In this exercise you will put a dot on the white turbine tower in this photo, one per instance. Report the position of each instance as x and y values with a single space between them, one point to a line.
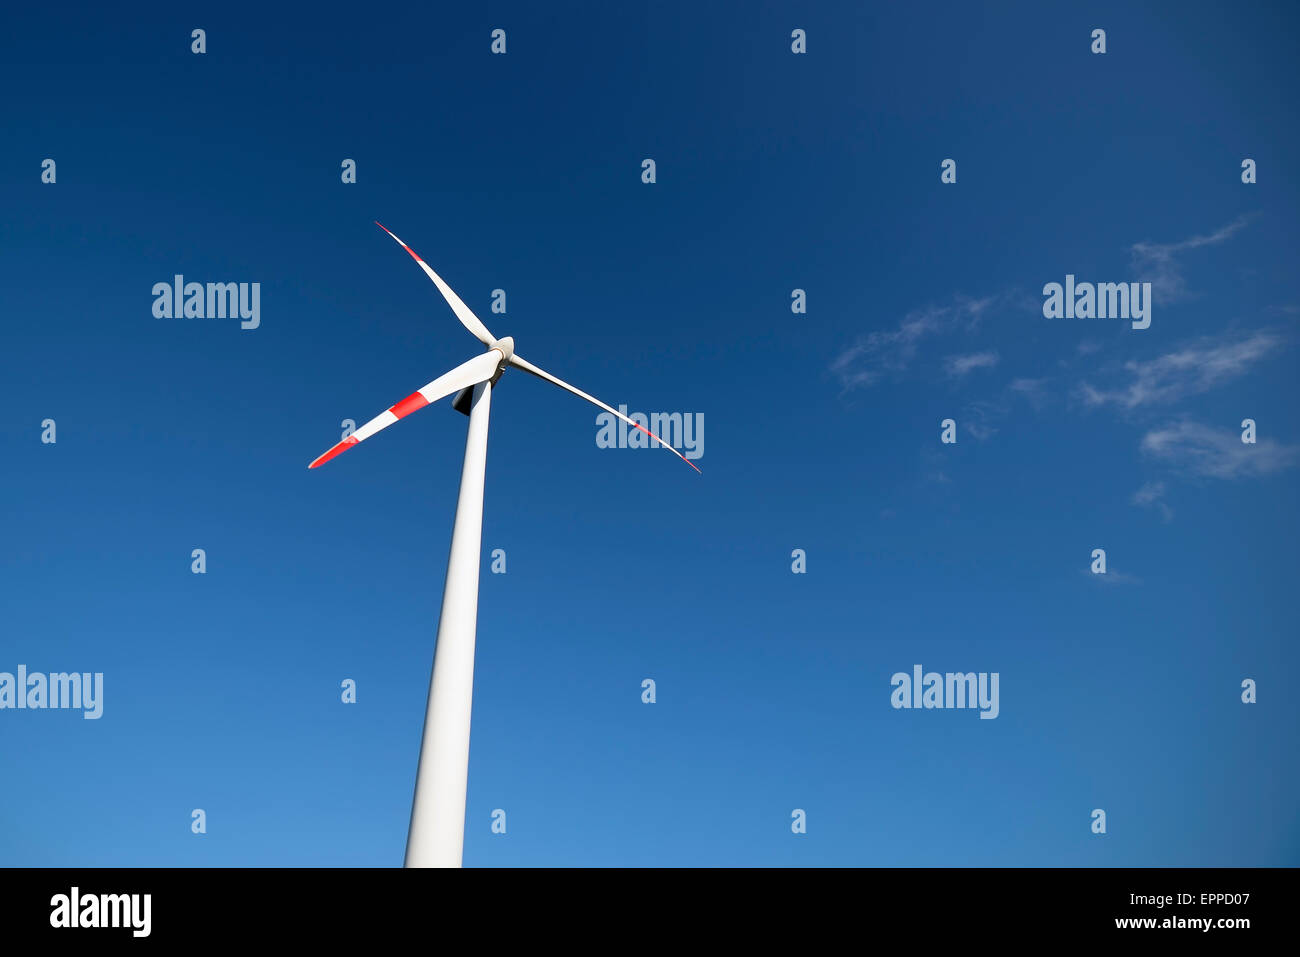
437 833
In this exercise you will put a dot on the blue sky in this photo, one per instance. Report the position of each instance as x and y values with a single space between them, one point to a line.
775 171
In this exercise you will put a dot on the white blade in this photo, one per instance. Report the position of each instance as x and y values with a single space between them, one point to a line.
479 369
527 366
462 311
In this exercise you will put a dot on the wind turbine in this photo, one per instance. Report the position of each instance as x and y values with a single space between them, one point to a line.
437 833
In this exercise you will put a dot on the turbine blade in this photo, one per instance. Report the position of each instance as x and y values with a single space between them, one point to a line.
527 366
462 311
476 370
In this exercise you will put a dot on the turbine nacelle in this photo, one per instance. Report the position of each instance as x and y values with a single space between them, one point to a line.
505 346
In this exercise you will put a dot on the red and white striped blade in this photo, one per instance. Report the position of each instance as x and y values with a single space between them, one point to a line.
462 311
527 366
479 369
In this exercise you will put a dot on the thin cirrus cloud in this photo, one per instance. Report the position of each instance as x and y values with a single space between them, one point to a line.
1202 450
959 367
1151 495
891 352
1161 263
977 419
1110 577
1033 390
1191 369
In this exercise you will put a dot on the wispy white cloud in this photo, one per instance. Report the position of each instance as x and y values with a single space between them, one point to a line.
1189 370
1203 450
1112 577
933 464
891 352
887 351
977 419
959 366
1033 390
1151 495
1027 386
1159 263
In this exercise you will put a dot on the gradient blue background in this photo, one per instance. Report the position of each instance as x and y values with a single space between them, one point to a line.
775 171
